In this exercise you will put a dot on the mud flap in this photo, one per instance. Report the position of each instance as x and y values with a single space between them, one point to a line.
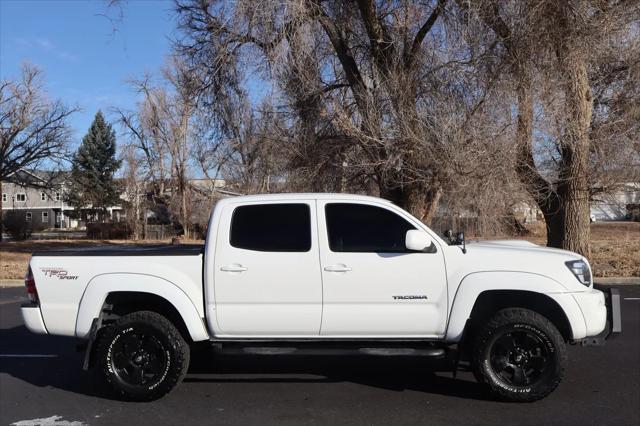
93 332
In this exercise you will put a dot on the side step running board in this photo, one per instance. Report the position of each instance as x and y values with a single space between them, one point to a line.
338 351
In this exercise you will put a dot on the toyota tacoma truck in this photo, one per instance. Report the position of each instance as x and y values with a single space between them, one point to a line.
322 273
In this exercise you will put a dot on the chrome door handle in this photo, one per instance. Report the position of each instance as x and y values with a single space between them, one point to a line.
337 268
233 268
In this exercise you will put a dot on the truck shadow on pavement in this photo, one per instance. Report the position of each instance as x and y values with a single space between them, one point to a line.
392 373
50 361
63 370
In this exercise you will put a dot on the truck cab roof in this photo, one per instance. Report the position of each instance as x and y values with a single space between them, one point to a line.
302 196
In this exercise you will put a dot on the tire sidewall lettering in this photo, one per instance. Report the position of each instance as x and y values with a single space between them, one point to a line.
164 373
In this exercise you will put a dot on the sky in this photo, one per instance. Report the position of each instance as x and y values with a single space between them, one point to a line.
86 63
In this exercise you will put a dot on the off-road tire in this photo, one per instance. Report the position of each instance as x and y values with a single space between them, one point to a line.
534 326
166 340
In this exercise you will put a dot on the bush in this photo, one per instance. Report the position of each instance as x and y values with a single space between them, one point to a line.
199 232
15 223
109 231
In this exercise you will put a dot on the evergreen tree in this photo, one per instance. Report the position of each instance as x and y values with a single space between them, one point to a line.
94 164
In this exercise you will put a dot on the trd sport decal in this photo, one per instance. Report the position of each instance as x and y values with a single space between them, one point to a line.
62 274
410 297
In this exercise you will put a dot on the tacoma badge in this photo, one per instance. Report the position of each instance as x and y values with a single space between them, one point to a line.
410 297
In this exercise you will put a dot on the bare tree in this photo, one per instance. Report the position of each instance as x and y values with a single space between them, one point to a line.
33 128
549 47
135 190
369 55
615 125
161 130
420 103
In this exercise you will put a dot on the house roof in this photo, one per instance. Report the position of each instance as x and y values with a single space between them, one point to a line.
37 178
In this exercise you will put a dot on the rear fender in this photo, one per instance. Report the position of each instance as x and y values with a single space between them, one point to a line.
100 286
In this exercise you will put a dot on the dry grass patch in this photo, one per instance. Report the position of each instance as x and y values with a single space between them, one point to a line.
13 264
615 249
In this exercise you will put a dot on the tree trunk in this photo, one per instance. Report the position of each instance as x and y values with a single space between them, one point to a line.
554 221
183 209
418 199
537 187
574 173
565 207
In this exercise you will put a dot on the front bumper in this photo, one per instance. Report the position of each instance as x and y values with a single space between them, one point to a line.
32 318
613 323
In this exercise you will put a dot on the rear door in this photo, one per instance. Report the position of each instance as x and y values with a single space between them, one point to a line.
266 271
373 285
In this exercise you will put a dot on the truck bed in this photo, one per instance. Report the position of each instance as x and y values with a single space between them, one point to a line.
128 250
74 284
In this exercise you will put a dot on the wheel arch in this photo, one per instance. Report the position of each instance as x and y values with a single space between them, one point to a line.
491 301
130 292
120 303
482 293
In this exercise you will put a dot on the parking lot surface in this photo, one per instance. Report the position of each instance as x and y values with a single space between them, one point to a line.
41 381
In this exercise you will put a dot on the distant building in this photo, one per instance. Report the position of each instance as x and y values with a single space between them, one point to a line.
527 212
38 196
606 206
209 185
616 205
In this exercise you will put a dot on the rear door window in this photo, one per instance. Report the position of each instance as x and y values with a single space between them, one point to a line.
272 227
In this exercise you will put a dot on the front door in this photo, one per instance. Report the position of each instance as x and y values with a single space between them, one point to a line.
373 285
266 270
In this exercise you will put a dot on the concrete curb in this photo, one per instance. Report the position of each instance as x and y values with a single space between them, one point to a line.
618 280
11 283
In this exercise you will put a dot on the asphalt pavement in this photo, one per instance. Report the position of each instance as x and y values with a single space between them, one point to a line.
41 382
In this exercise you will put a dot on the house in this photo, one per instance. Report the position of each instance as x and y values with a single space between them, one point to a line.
38 196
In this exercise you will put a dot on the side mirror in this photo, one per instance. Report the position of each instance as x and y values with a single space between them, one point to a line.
417 240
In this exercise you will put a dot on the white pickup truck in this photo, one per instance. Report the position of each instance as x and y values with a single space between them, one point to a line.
300 273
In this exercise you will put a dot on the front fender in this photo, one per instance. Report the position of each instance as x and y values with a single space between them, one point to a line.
101 285
474 284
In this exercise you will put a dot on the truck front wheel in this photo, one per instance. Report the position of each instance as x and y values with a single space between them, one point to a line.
142 355
520 355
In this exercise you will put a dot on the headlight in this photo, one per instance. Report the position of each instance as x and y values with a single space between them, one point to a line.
581 270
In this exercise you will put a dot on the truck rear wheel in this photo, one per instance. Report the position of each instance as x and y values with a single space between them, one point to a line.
142 355
520 355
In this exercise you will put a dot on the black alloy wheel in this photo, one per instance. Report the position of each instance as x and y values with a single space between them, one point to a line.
139 359
520 355
519 358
